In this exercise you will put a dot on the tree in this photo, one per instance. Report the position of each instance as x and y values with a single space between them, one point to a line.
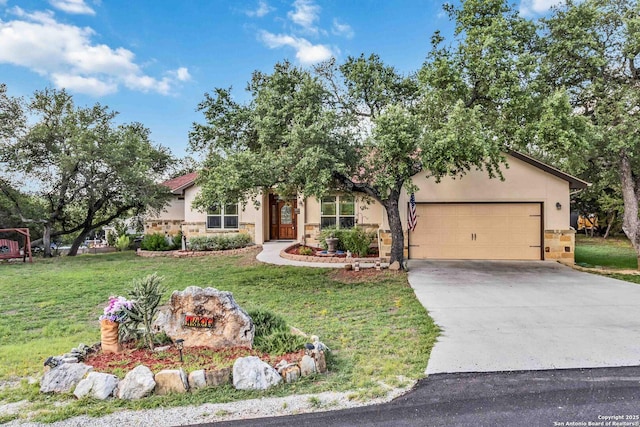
361 127
85 169
591 48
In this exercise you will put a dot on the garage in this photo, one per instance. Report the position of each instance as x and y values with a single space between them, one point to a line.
495 231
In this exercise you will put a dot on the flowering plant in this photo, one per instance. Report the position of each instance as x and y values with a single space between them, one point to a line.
115 310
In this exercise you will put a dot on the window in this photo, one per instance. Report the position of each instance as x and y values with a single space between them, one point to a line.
337 211
223 217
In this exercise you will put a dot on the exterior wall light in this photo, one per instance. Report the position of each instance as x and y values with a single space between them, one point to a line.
180 346
558 205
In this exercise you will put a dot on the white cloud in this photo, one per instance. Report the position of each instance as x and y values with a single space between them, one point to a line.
66 54
537 7
305 14
262 9
77 7
340 29
3 2
306 52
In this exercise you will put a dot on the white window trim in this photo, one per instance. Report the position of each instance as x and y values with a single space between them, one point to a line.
338 214
222 216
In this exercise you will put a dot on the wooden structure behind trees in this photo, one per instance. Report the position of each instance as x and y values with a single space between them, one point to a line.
12 246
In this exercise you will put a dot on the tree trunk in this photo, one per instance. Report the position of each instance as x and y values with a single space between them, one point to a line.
630 221
73 251
46 240
395 225
611 219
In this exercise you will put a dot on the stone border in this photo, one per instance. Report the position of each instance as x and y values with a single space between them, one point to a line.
188 254
329 259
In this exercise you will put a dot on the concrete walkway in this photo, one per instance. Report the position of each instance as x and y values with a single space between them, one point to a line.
511 316
271 255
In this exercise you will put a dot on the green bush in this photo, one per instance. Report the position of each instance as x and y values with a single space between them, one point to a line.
279 342
354 239
358 241
220 242
122 243
146 294
272 334
111 239
155 242
266 322
177 240
305 250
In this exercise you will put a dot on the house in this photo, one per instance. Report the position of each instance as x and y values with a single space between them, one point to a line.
524 217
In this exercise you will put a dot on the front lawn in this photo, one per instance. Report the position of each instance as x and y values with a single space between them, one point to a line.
375 326
613 252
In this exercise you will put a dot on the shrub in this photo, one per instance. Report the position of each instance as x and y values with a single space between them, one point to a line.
122 243
177 240
219 242
111 239
155 242
358 241
354 239
272 334
305 250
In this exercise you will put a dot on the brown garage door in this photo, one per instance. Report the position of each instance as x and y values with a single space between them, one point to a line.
477 231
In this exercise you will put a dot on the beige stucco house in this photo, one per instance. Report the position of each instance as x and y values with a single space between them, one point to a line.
524 217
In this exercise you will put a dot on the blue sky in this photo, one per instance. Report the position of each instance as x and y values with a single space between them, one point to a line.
153 60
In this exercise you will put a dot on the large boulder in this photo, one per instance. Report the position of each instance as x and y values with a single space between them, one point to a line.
97 385
206 317
64 378
251 373
138 383
218 377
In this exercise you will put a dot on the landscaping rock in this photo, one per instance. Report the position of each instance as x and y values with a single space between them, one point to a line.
218 377
97 385
231 325
63 378
197 379
395 266
70 359
307 366
321 361
290 373
137 384
171 381
251 373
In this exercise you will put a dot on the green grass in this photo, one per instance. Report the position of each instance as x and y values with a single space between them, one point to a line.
376 328
611 252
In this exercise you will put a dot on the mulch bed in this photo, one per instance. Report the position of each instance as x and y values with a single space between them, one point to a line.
194 358
295 250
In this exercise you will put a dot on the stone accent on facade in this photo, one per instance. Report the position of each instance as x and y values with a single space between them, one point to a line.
311 234
560 245
188 254
190 229
170 226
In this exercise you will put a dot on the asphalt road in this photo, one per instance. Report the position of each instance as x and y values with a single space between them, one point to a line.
573 397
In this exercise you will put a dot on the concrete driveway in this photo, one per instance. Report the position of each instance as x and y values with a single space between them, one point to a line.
508 316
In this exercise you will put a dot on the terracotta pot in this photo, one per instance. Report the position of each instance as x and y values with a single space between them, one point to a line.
109 336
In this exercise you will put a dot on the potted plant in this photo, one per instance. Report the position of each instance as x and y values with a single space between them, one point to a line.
114 313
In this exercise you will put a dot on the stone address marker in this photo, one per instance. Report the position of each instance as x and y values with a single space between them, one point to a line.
206 318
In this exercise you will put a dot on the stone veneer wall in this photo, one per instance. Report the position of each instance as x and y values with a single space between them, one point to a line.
170 227
385 243
560 245
190 229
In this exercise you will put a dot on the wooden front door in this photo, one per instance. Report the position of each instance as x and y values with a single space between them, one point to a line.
282 218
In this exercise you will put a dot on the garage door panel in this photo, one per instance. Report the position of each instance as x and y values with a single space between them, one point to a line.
477 231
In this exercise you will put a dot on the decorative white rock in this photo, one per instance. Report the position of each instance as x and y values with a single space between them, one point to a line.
171 381
251 373
197 379
97 385
137 384
307 365
63 378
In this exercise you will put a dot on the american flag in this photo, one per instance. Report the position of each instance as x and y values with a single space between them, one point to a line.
413 219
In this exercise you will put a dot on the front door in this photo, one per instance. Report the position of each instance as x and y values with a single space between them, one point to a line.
283 218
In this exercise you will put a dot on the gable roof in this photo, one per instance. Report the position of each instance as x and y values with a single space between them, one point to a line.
574 183
180 183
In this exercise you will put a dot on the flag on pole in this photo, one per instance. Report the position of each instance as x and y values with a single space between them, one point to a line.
413 219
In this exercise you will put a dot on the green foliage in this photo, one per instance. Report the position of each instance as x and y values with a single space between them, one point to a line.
146 294
176 240
155 242
79 161
122 243
355 240
111 239
266 322
219 242
304 250
358 241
